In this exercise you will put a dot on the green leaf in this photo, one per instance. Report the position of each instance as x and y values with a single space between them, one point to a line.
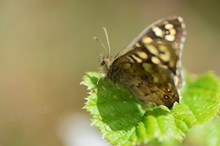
202 96
205 135
123 120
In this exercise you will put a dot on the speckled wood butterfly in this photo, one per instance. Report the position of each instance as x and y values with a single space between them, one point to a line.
150 67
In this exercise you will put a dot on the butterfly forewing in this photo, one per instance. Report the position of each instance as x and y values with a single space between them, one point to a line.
149 67
164 40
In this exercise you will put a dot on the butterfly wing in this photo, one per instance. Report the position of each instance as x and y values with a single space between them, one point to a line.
161 43
149 67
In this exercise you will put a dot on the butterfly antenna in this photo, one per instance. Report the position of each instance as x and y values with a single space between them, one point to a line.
100 42
107 39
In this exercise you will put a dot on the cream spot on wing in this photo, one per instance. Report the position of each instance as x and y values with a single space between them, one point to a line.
155 60
159 42
165 56
163 48
156 79
179 63
172 64
142 55
169 26
177 81
183 25
147 66
172 31
183 39
170 37
158 32
127 65
130 59
163 66
180 19
181 45
175 45
178 53
137 45
136 58
152 49
147 40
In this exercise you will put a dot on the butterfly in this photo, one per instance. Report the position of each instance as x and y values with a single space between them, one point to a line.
150 66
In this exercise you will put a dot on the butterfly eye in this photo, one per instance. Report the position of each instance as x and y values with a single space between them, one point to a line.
102 62
166 96
168 90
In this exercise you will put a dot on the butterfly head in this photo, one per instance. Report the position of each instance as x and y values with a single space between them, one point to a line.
105 62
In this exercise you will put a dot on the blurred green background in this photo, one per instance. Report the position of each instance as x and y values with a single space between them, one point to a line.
46 47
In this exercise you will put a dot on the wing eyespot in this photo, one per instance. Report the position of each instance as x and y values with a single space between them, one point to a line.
168 90
166 96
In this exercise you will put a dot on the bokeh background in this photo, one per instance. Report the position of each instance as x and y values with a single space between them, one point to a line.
46 47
